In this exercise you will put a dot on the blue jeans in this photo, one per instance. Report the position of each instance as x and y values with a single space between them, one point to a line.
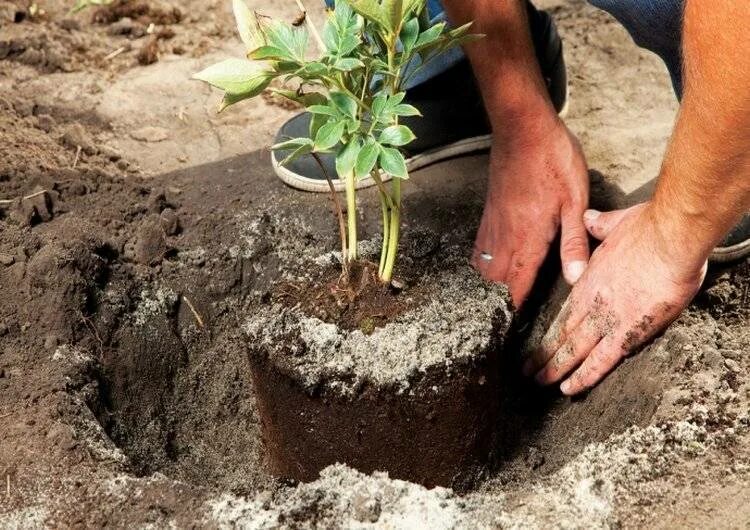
653 24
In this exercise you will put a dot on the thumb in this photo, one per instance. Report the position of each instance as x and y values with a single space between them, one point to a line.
574 246
600 224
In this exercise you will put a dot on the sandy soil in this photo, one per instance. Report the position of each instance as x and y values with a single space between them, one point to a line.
125 397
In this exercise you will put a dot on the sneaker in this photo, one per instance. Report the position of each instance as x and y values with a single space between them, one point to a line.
446 130
736 245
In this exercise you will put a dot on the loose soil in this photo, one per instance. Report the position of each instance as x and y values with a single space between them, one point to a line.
355 300
153 229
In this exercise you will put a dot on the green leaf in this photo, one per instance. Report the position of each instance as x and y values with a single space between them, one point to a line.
265 53
307 99
369 9
344 103
394 100
409 35
236 76
393 163
378 105
397 135
414 7
316 122
323 109
347 158
247 26
312 69
348 64
429 36
303 150
294 143
392 14
230 99
329 135
406 110
289 39
367 158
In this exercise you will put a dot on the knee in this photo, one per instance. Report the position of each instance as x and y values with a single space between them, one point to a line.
653 24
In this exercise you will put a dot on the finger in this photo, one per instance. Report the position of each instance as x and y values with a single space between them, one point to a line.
567 320
602 359
600 224
522 270
574 245
572 353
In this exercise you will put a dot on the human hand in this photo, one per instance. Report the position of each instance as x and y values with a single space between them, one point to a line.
637 282
538 184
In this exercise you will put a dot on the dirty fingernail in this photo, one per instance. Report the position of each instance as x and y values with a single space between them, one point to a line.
590 215
574 270
565 387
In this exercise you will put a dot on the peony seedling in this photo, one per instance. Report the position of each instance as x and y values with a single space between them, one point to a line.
354 88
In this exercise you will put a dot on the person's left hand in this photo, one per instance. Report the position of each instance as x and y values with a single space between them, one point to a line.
637 282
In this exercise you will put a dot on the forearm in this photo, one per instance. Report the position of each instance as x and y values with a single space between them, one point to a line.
504 62
704 186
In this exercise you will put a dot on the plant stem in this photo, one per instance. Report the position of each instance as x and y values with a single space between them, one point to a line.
395 231
339 213
351 211
386 233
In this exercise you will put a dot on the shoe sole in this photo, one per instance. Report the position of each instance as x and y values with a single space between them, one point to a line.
420 161
729 254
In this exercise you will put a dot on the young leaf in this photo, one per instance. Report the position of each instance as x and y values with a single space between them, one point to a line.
378 104
316 122
429 36
409 35
329 135
323 109
344 103
367 158
406 110
347 158
236 76
396 135
348 64
294 143
392 162
230 99
247 25
292 41
369 9
300 151
392 14
307 99
268 53
414 7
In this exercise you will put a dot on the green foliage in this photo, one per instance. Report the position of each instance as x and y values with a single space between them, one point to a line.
368 51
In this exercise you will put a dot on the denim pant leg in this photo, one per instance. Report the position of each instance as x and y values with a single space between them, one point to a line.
439 64
655 25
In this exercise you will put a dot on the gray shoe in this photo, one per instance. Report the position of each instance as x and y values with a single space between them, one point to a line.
736 245
446 130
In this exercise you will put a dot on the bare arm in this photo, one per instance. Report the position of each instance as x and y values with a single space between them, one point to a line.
653 258
538 181
705 181
504 61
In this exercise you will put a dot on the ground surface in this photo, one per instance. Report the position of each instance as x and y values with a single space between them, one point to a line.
124 393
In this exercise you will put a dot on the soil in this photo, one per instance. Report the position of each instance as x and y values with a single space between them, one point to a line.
142 231
357 299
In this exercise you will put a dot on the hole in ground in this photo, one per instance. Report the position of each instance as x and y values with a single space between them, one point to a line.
181 403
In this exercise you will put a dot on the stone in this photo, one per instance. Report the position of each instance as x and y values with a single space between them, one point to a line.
150 134
7 259
170 222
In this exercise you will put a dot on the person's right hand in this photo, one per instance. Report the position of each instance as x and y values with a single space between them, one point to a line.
538 184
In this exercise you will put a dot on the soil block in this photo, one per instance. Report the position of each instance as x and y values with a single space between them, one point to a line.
417 398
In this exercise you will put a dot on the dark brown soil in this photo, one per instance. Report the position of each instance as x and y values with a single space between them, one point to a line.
359 301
